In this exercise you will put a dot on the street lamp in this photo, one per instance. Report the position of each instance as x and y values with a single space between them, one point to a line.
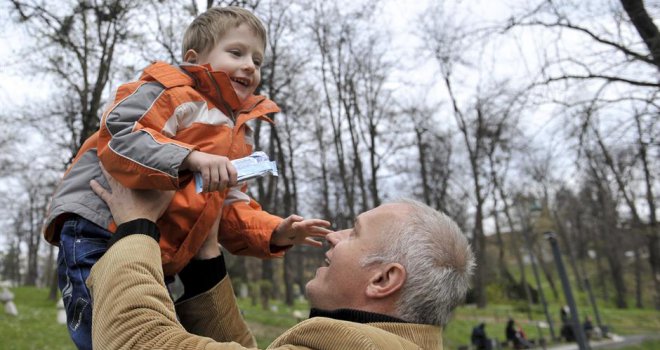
537 279
536 212
575 319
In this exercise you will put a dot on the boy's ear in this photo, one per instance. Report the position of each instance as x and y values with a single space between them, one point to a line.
190 56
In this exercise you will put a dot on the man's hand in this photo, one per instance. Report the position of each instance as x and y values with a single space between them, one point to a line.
127 205
217 171
296 230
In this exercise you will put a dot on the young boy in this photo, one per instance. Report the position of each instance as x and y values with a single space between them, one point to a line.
160 129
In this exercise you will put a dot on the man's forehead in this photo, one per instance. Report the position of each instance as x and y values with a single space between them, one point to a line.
386 212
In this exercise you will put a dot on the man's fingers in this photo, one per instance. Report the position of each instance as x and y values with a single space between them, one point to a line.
111 180
99 190
105 172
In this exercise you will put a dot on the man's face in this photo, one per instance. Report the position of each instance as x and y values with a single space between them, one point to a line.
342 282
240 54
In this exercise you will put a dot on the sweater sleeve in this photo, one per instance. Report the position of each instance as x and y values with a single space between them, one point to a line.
222 321
246 229
136 142
132 308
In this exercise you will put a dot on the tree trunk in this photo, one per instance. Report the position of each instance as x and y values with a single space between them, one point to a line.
421 149
601 276
547 272
287 270
480 252
652 229
645 26
568 247
638 278
51 274
616 271
267 287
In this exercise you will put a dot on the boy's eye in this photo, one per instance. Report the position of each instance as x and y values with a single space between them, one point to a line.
235 52
257 63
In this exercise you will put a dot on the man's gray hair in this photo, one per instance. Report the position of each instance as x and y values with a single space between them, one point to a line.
438 260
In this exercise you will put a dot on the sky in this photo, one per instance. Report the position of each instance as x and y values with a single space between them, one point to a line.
415 71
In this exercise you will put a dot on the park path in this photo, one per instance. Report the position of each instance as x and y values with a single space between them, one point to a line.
615 342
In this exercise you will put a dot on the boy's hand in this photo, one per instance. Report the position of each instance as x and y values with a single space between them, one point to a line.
296 230
217 172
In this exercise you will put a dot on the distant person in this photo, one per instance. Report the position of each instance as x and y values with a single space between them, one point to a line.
588 327
390 282
156 133
516 336
566 331
565 314
479 338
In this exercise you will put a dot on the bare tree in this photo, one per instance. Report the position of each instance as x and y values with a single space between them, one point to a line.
604 204
622 85
38 194
353 71
445 41
78 42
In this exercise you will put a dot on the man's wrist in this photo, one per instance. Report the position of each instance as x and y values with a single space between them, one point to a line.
200 276
137 226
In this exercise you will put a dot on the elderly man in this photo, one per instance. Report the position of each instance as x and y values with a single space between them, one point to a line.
390 282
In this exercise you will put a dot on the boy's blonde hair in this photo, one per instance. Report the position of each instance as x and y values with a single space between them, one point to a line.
208 28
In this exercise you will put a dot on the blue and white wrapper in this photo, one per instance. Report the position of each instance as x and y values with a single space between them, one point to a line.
255 165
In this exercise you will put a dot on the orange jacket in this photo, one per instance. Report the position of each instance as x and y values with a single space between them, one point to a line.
146 133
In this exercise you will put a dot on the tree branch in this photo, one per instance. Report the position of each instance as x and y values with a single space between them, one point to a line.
645 27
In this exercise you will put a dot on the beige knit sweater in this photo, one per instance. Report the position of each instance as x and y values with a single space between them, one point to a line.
132 310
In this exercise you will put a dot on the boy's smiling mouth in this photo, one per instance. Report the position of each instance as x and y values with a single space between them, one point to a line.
243 81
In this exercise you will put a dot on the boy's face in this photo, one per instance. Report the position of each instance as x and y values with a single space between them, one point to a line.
239 53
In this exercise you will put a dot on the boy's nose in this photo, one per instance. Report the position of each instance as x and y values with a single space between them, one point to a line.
248 65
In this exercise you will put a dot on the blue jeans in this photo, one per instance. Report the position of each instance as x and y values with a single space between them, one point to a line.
82 243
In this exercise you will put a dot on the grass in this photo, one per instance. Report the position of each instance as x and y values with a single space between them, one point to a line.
35 327
622 322
646 345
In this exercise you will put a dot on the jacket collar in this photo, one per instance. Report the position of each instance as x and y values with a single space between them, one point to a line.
353 315
215 85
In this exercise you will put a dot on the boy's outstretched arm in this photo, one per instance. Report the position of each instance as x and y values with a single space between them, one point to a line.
246 229
295 230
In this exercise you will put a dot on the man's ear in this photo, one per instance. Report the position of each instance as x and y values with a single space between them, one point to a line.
386 280
190 56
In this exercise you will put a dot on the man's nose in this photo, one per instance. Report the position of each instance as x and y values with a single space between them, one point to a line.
336 237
